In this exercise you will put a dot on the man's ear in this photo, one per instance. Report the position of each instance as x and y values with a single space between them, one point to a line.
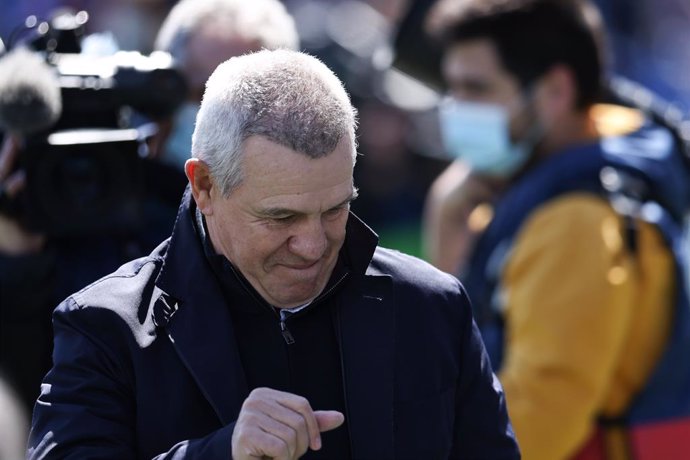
201 183
557 94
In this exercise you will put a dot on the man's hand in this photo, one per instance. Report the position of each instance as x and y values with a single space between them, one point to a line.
448 233
278 425
14 240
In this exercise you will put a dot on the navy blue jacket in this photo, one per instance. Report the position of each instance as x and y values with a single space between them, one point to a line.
146 364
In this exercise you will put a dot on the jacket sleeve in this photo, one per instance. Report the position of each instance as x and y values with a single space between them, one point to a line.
87 408
482 427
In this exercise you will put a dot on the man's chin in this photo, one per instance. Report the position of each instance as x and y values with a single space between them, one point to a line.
295 297
297 286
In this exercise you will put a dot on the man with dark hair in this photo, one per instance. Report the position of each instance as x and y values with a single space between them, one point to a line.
564 218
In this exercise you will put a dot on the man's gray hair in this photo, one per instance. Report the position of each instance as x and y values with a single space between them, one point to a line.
288 97
266 22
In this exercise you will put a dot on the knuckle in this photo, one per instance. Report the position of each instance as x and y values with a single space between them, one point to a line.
241 433
250 418
288 434
250 404
254 402
256 392
298 422
276 447
302 403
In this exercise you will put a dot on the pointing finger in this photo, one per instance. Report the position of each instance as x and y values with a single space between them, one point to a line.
329 419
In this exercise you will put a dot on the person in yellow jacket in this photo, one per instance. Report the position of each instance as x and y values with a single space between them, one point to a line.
575 292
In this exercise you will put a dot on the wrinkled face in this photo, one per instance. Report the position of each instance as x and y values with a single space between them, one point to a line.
473 73
284 225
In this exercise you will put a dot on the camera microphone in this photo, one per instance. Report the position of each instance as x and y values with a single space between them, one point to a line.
30 98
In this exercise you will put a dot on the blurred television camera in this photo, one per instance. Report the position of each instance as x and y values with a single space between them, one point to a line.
85 120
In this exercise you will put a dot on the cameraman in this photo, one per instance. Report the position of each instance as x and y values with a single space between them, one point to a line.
38 271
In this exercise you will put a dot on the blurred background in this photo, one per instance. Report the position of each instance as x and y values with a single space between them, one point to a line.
398 137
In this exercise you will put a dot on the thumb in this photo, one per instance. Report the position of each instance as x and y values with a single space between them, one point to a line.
328 419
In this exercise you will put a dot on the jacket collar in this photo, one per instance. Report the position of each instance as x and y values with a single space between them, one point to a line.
199 325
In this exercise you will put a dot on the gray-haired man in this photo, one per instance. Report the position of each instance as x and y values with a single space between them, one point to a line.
271 325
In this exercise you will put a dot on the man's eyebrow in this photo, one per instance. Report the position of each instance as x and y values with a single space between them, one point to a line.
277 212
282 212
353 196
472 84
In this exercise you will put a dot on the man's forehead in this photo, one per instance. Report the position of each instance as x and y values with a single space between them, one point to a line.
275 176
474 68
473 57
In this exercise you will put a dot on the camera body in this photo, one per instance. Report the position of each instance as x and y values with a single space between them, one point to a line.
101 91
84 182
85 175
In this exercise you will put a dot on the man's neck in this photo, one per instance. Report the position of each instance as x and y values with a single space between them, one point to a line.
572 129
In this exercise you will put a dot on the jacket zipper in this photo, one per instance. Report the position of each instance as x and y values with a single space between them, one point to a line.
287 335
285 332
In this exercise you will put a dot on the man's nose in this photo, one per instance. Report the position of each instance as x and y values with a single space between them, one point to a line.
309 240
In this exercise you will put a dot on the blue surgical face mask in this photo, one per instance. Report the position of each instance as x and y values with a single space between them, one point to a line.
480 134
178 147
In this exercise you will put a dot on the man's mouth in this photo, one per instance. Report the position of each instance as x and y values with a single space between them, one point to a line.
301 266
